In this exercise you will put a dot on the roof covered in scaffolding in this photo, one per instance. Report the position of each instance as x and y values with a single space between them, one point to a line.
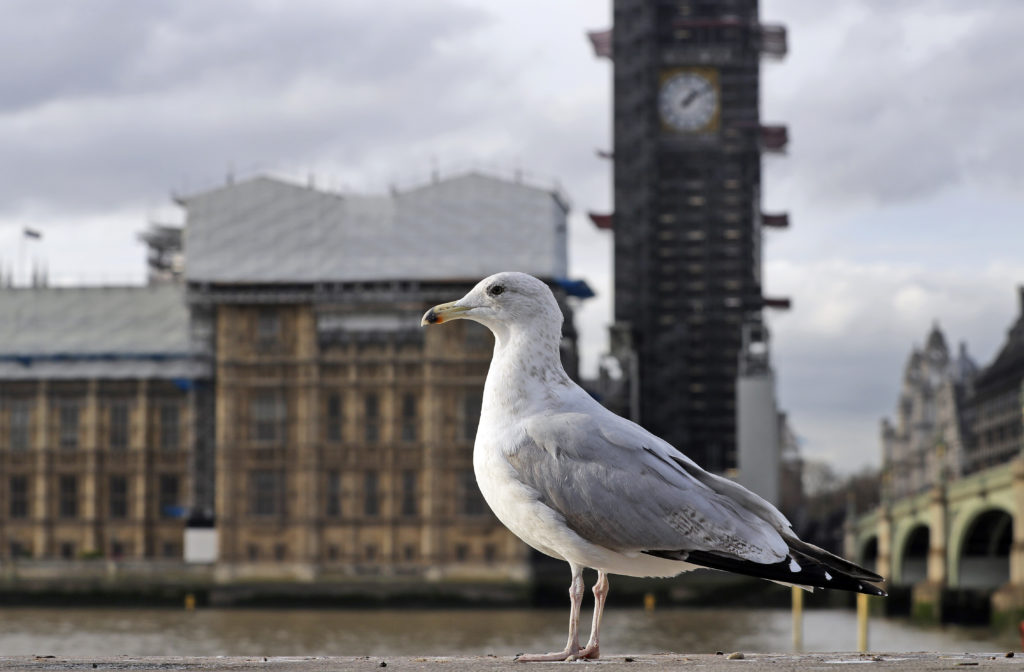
95 332
266 230
1007 369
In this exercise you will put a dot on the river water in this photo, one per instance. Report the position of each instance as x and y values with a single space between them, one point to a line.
286 632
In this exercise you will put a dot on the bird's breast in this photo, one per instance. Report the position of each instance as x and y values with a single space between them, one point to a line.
516 504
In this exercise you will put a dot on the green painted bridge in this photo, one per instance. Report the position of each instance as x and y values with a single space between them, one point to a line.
963 534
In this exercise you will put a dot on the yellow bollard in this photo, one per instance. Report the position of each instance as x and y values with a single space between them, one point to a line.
190 601
649 602
798 619
862 622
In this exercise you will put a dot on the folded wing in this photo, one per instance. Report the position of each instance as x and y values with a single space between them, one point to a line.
621 487
614 488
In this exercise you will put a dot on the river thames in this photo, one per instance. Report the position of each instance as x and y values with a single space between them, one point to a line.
291 632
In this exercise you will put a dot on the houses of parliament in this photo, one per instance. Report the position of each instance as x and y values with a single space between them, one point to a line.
271 385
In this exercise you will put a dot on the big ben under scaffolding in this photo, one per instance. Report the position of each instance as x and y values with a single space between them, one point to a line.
688 141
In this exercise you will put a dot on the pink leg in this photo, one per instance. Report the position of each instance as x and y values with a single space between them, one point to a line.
593 649
572 647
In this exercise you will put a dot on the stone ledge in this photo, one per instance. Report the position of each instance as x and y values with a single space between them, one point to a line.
760 662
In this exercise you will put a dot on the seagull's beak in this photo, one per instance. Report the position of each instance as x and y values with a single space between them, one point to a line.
443 313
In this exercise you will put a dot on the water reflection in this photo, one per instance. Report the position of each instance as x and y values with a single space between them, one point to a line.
100 632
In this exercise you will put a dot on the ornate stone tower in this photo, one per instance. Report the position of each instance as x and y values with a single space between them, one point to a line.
687 225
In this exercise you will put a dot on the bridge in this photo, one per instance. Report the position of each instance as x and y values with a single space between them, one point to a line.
966 534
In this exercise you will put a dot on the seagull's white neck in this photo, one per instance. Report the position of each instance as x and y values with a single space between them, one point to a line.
526 368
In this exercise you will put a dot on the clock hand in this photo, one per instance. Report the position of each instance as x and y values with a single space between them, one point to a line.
689 98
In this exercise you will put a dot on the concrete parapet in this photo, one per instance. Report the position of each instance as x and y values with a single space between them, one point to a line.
761 662
88 572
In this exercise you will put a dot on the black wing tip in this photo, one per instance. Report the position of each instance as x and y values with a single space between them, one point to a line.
860 573
869 589
811 571
830 559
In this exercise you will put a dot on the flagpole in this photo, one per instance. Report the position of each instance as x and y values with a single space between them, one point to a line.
26 233
21 258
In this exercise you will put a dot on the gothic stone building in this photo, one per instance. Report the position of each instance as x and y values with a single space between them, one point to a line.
282 388
996 409
344 431
688 141
952 418
926 442
98 393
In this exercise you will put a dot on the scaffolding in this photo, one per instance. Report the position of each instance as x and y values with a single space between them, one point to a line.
688 222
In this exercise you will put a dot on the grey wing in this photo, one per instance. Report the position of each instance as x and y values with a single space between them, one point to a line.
616 486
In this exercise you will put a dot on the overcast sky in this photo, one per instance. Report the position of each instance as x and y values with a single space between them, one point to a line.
903 178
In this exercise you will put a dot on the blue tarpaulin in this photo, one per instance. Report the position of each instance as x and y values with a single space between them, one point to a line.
578 288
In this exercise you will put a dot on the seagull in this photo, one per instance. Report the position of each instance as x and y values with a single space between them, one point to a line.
579 483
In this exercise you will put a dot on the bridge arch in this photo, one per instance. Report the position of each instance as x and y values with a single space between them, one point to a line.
913 555
982 544
912 526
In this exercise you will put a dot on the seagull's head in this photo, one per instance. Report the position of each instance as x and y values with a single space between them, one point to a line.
503 301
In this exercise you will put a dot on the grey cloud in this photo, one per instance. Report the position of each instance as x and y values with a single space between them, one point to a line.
129 103
57 49
112 47
883 125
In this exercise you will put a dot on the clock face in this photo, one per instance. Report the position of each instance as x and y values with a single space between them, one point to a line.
688 101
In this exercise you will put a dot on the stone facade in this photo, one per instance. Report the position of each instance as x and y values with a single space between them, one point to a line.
952 418
96 445
996 409
344 431
925 443
344 447
281 388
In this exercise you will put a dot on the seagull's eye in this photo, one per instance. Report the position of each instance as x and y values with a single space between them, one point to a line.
495 290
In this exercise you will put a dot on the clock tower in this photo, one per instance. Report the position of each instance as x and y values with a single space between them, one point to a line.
688 142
